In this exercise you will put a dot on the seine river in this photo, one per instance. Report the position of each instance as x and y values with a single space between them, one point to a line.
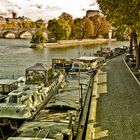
16 56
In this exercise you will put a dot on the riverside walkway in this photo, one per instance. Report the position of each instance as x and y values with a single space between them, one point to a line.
117 111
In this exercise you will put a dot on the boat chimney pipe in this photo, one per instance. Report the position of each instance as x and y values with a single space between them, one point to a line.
70 120
81 97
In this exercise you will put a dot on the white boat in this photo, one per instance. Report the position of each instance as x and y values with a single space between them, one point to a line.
64 117
85 63
23 103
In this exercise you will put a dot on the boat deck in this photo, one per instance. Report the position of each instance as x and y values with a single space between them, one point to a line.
62 113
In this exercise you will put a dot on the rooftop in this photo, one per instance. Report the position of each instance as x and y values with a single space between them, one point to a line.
39 67
7 81
89 58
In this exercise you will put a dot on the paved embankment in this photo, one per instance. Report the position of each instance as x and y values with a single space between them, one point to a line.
118 111
99 87
64 43
68 43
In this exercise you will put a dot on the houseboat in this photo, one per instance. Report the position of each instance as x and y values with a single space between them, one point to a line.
61 63
85 63
24 102
7 85
64 116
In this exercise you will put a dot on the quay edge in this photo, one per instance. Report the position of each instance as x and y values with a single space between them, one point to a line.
99 87
67 43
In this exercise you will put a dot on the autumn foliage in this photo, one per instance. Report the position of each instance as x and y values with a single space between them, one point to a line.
78 28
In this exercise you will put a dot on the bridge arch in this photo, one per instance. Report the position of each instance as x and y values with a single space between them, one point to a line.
9 34
25 34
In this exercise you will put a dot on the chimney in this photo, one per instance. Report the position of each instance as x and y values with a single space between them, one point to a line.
14 15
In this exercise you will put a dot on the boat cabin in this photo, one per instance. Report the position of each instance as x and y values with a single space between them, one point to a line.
62 64
24 94
21 102
84 63
8 85
39 74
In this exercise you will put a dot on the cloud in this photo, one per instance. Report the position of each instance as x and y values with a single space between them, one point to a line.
38 6
92 4
3 13
52 8
6 3
45 8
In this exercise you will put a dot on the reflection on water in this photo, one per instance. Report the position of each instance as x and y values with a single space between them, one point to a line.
16 56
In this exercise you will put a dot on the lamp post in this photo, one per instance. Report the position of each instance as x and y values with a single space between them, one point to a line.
81 95
110 34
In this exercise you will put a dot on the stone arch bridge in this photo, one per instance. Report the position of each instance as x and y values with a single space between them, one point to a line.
17 32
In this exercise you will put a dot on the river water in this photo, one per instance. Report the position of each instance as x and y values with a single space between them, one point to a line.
16 56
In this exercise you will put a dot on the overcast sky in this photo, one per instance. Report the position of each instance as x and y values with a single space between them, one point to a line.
46 9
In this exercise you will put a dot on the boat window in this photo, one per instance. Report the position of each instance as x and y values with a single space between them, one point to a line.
13 99
33 98
76 65
42 97
14 86
24 102
66 137
6 88
1 88
36 77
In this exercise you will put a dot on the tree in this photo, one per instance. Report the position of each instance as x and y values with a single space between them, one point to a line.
40 24
88 28
101 25
124 14
38 37
77 29
67 17
59 29
97 24
104 26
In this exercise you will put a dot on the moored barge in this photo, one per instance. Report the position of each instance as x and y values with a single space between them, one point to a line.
64 116
25 102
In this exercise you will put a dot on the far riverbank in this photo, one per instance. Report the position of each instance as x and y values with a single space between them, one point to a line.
68 43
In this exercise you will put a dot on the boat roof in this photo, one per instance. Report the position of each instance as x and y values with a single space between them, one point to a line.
7 81
12 105
39 67
53 130
26 89
71 91
55 124
88 58
2 96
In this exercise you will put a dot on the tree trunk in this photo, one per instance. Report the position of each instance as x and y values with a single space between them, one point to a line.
137 49
139 55
131 43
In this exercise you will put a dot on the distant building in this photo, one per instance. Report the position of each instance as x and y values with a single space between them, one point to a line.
11 20
2 20
14 19
17 19
90 13
14 15
22 19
